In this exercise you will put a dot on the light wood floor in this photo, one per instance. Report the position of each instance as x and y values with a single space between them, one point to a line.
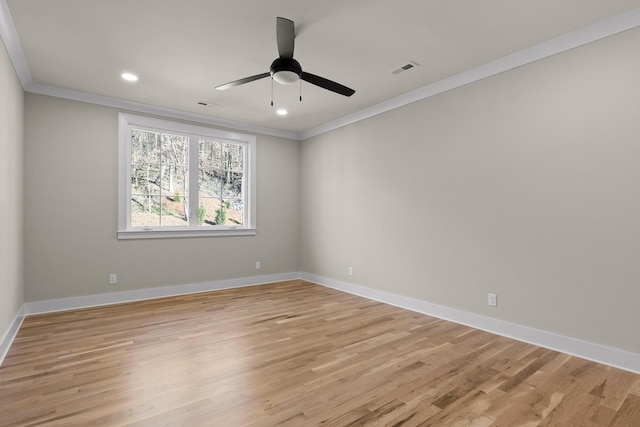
294 354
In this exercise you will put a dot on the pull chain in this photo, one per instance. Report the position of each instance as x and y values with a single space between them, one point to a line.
300 90
272 91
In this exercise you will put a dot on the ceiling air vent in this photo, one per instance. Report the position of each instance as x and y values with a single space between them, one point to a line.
207 104
409 65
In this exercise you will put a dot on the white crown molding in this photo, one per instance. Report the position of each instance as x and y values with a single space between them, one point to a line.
159 111
600 30
597 31
16 54
12 43
617 358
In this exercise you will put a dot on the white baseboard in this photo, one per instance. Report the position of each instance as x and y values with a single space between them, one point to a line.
595 352
74 303
617 358
10 334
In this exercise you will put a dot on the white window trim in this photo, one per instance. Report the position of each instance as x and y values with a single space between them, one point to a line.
126 122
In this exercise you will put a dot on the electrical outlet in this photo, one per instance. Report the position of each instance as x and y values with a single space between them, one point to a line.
350 271
258 265
113 279
492 300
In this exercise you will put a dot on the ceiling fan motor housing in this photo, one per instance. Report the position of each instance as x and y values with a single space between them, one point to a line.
286 70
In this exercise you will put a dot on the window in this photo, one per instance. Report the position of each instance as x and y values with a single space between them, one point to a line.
179 180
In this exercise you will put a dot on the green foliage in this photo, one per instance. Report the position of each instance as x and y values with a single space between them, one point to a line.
221 214
157 209
176 197
202 213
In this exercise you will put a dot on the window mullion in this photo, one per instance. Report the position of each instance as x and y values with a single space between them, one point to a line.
124 181
194 177
246 176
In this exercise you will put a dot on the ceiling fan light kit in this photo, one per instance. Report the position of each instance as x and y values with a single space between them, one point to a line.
285 69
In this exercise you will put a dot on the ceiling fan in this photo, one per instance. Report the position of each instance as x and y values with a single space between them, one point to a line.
287 70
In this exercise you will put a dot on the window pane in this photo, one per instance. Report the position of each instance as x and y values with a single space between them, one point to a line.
159 179
175 182
145 146
145 179
232 185
173 212
209 154
221 183
235 212
233 157
206 210
213 211
210 183
145 211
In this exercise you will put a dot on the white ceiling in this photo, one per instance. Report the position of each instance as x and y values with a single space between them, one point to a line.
182 49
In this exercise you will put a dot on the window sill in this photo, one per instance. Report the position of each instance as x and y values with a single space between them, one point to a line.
177 233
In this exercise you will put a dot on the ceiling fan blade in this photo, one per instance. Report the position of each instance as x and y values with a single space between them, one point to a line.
327 84
285 36
242 81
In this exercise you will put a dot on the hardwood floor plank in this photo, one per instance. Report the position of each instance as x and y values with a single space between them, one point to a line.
294 354
536 365
572 410
614 389
629 413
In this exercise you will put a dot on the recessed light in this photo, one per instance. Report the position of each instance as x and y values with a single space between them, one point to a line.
282 112
130 77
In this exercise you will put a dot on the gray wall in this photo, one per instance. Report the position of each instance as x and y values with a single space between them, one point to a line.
11 161
526 184
71 178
